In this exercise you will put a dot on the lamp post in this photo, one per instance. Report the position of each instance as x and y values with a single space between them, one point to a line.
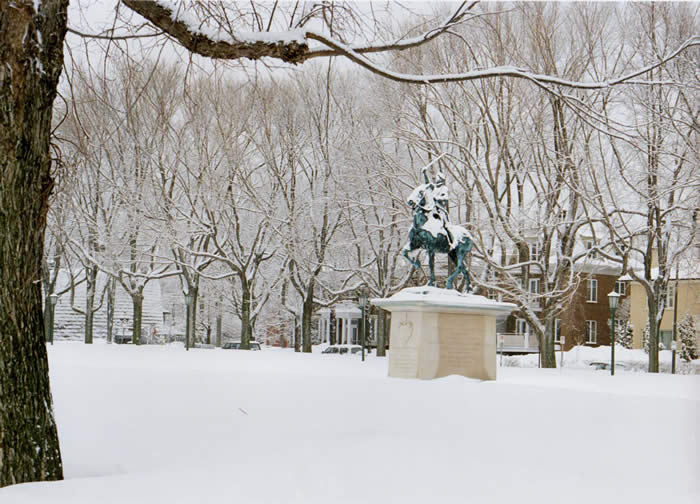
613 300
188 302
363 307
53 299
219 305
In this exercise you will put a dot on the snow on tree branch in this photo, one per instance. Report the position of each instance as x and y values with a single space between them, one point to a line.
292 46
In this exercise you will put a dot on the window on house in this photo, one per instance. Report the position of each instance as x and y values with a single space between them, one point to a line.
534 287
591 331
535 251
592 290
620 287
557 330
589 244
521 326
665 339
670 295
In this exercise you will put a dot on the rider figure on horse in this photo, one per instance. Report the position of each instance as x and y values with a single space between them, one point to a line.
437 193
433 232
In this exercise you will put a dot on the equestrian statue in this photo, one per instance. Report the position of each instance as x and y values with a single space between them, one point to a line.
432 230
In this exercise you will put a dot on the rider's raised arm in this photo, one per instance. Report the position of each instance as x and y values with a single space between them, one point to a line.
424 170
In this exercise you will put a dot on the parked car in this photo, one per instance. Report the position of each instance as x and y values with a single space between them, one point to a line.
343 349
606 365
121 339
236 345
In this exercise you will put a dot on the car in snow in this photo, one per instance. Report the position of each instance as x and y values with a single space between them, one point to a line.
122 339
343 349
236 345
606 365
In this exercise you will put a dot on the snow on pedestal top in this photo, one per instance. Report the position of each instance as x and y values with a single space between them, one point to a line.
444 300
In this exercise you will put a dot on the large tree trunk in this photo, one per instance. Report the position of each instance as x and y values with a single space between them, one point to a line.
307 314
193 314
90 288
218 327
137 303
31 55
653 335
547 357
111 286
297 339
245 315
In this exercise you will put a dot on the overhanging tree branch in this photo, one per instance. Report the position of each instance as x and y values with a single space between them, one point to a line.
290 46
293 47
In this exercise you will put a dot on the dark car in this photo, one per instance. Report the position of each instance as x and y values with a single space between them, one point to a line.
236 345
343 349
122 339
606 365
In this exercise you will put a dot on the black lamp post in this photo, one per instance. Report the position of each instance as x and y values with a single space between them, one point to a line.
363 307
53 299
188 302
613 300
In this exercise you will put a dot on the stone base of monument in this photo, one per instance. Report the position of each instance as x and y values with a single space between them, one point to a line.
439 332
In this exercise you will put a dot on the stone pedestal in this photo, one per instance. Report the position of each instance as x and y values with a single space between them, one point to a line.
438 332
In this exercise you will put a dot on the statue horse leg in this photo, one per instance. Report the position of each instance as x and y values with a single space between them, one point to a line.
465 272
458 256
458 261
406 251
464 251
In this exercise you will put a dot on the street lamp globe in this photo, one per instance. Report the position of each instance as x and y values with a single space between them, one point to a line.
363 300
613 300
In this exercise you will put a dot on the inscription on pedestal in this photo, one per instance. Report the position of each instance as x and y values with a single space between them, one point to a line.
404 349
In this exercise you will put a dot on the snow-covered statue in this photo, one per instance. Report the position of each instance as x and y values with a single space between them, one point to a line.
432 230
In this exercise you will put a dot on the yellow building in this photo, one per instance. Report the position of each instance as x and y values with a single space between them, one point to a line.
688 285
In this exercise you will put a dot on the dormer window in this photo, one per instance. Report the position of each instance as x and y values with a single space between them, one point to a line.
620 287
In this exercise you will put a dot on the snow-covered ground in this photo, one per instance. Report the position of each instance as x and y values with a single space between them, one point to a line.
161 425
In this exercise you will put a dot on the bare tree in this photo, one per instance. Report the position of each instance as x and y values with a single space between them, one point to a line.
31 58
647 194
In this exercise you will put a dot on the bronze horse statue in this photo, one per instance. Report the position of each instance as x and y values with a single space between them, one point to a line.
435 239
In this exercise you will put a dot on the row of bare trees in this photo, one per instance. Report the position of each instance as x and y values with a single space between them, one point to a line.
214 181
293 190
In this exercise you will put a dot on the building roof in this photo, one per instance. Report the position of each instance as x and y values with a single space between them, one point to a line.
687 273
